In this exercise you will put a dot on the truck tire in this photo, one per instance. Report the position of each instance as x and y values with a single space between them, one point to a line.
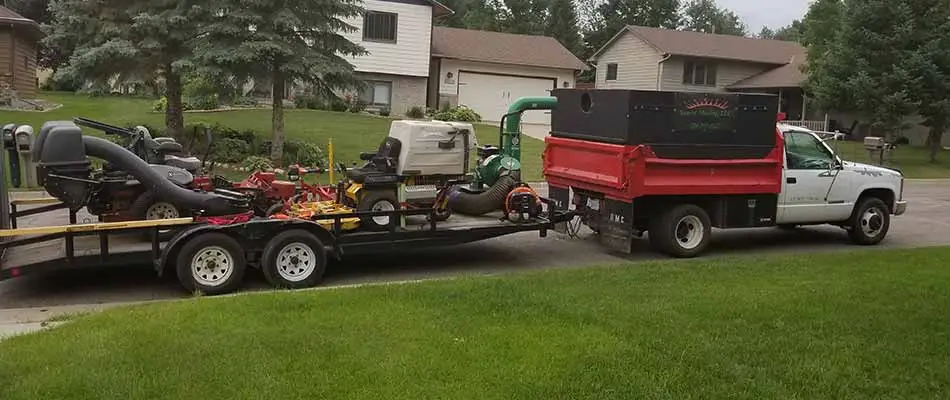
211 263
294 259
682 231
377 200
869 222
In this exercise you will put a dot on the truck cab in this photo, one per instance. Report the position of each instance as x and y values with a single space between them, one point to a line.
820 187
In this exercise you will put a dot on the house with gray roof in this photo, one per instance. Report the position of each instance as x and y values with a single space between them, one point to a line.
662 59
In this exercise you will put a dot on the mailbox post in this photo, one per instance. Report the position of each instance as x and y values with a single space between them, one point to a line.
24 146
11 155
877 147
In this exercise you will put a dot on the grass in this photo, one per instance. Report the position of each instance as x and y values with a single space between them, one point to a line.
872 324
351 133
914 162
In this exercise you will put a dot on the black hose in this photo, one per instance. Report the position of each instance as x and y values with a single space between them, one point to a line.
208 203
481 203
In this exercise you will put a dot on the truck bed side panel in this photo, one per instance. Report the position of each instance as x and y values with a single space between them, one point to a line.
626 172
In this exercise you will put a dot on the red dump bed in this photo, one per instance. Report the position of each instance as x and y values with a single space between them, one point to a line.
624 172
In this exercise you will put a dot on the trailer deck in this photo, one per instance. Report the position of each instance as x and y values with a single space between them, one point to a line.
47 236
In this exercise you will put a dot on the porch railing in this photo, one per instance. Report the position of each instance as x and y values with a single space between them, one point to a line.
813 125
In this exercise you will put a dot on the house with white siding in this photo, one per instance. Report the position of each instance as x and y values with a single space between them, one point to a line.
412 62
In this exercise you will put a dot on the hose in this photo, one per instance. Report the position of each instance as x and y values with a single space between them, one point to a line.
210 204
475 204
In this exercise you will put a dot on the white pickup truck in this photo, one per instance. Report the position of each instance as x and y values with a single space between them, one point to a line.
820 188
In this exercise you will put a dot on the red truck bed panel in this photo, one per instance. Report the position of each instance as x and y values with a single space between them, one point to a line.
624 172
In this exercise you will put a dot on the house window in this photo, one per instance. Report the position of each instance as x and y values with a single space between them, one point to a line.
611 72
377 93
699 73
379 27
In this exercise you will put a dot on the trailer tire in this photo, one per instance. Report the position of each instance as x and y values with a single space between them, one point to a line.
377 200
294 259
211 263
869 222
682 231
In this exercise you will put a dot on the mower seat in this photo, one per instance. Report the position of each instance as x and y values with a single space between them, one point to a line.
190 164
383 162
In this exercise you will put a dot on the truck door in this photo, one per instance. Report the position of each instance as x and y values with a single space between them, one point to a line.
809 175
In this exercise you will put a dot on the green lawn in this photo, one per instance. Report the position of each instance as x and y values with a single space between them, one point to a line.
351 133
914 162
870 324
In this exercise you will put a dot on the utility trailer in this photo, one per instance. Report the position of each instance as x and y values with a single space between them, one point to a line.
674 165
211 255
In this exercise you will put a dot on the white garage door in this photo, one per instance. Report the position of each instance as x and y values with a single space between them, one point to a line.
490 95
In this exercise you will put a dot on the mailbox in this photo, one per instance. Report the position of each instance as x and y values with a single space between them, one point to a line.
23 140
11 162
874 143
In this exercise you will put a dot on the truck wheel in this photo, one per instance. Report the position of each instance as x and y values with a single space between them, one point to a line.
211 263
870 222
294 259
377 201
682 231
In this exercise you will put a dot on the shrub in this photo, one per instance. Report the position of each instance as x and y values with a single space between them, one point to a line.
384 112
355 106
338 105
459 114
309 102
7 94
416 112
231 150
257 163
160 104
244 101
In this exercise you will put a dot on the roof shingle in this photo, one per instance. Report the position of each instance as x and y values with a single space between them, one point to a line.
726 47
503 48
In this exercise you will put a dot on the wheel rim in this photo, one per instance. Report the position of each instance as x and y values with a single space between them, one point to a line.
872 222
296 262
382 205
161 210
689 232
212 266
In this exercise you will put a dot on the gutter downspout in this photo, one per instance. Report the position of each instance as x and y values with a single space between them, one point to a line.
659 71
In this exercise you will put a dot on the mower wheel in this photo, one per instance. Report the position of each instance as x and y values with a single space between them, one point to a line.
378 200
294 259
149 207
211 263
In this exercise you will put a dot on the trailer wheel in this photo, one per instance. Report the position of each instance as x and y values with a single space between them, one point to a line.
378 200
682 231
211 263
869 222
294 259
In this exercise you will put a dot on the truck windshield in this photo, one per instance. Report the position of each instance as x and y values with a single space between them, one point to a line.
805 151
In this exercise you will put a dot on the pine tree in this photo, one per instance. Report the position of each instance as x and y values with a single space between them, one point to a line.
287 41
564 27
129 39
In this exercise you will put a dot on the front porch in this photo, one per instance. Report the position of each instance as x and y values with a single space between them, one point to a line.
794 103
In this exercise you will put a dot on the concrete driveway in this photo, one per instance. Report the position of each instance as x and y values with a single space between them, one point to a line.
925 224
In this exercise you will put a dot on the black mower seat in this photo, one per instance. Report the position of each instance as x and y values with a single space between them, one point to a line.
383 162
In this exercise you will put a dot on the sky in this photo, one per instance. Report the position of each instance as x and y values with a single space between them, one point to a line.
772 13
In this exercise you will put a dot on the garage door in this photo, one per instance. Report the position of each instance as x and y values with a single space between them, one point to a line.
490 95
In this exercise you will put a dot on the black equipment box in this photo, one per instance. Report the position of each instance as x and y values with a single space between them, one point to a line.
679 125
